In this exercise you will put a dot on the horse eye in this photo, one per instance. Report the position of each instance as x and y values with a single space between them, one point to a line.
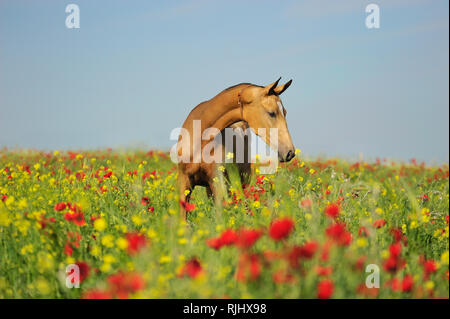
272 114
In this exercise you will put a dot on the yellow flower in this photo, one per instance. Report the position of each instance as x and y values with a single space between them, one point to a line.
151 233
137 220
100 224
106 267
165 259
444 258
42 286
122 243
109 259
26 249
429 285
95 251
22 203
361 242
108 240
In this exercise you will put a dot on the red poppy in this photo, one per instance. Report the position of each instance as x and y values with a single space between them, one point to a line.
107 175
214 243
429 267
4 198
246 238
84 270
339 234
228 237
60 206
68 250
135 242
362 231
395 249
394 262
187 206
77 218
145 200
122 284
407 283
308 249
379 223
325 289
192 268
332 210
281 228
397 234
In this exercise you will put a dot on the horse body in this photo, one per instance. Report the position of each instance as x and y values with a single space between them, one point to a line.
242 106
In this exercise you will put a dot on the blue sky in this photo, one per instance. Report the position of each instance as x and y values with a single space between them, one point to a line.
135 69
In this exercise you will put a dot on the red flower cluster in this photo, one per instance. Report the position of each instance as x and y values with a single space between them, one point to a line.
120 285
244 238
332 210
339 234
405 285
307 251
394 262
60 206
135 242
77 218
73 241
249 267
145 201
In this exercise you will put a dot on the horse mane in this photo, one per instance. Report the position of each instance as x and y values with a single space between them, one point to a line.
236 85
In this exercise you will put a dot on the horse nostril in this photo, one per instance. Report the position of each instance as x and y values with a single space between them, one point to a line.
290 155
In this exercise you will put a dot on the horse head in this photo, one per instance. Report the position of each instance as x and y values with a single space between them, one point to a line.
263 110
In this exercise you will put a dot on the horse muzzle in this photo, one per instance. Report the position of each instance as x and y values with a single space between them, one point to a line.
287 156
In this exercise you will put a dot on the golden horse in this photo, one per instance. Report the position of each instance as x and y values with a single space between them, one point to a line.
238 107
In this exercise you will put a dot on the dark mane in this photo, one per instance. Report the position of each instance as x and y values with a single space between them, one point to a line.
233 86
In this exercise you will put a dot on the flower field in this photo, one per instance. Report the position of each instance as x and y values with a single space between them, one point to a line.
309 231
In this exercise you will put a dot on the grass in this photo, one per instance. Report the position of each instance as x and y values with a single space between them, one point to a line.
115 215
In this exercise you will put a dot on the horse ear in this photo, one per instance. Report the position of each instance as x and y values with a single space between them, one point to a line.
269 90
281 88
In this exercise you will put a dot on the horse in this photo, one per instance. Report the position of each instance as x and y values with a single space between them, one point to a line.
238 107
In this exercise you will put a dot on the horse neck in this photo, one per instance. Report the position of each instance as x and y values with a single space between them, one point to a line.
223 110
